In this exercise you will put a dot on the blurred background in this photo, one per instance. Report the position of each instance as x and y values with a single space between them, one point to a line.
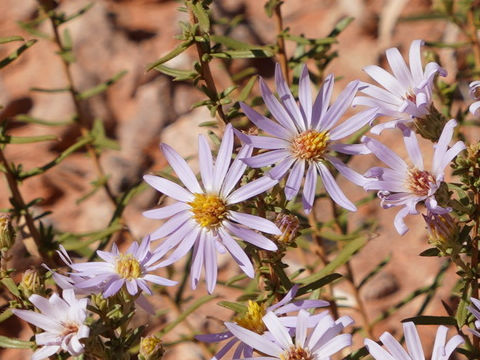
143 109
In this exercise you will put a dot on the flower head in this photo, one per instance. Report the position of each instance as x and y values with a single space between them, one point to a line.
395 351
252 319
304 136
63 321
407 94
131 270
406 185
475 94
475 310
321 342
203 216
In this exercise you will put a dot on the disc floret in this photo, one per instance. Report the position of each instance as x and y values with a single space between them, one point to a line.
209 210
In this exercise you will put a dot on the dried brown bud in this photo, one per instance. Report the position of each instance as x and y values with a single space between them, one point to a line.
151 348
289 226
431 125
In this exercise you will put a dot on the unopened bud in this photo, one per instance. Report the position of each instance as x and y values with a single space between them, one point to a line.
99 302
151 348
431 125
289 226
443 232
475 89
7 232
32 283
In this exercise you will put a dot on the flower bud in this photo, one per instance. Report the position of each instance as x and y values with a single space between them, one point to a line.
431 125
475 89
7 232
32 283
151 348
289 226
443 232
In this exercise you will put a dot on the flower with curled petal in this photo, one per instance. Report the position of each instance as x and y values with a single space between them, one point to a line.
407 94
131 269
311 343
395 351
474 308
252 320
475 94
407 185
204 217
63 321
304 137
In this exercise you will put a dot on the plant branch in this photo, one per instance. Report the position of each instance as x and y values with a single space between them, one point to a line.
282 52
20 203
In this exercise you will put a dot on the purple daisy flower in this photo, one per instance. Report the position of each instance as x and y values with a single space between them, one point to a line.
395 351
474 309
304 136
407 185
322 342
252 320
131 269
407 94
204 217
475 94
63 321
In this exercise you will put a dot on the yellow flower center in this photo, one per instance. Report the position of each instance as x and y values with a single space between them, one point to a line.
208 210
128 267
150 346
310 145
418 181
252 319
297 353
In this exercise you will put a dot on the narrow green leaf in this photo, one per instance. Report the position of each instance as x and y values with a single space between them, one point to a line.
7 139
101 141
425 16
343 256
318 284
244 54
40 170
71 241
31 26
212 123
202 16
14 55
178 75
8 39
56 90
197 304
375 271
231 43
10 285
6 342
306 41
247 89
101 87
32 120
5 315
432 320
236 307
78 13
430 252
340 26
441 45
172 54
462 312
